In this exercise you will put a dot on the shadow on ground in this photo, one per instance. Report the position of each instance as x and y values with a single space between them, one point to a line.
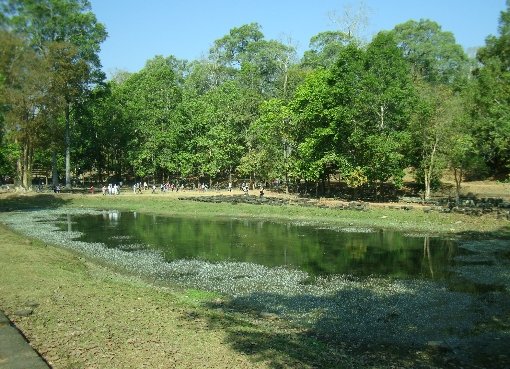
16 202
400 324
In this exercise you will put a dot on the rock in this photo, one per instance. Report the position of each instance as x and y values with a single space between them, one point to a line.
32 304
269 316
24 312
438 346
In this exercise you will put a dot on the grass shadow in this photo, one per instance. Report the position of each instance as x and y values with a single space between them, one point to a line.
18 202
397 324
500 233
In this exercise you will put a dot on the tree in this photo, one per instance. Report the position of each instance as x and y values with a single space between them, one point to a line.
229 49
262 65
491 113
432 129
67 33
104 133
25 81
386 102
270 142
67 88
317 138
462 158
433 53
325 48
227 113
151 98
265 67
352 119
351 21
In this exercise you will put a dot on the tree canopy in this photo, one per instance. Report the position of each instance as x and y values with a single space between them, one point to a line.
356 112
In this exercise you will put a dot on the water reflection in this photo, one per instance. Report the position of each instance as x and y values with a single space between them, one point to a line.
112 215
316 251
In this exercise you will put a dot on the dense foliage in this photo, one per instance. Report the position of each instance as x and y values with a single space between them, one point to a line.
251 110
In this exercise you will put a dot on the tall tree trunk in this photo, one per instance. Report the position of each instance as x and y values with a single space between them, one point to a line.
54 170
24 166
24 163
429 169
68 146
285 79
457 173
19 170
426 179
27 175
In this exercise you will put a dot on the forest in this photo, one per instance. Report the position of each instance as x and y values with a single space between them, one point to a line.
362 113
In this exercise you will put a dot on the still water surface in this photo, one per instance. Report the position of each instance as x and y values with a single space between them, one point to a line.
307 248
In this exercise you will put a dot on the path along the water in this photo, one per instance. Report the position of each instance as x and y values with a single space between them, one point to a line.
15 351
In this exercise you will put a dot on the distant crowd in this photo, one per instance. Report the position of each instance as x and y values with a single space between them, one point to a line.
141 187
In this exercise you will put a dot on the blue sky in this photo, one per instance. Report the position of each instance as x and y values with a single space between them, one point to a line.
140 29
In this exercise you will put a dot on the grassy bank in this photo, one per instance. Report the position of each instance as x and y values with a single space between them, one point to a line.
379 216
86 316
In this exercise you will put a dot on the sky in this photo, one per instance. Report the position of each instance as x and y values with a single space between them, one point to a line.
138 30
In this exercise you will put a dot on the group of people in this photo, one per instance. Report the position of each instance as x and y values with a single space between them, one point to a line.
111 189
245 187
164 187
139 187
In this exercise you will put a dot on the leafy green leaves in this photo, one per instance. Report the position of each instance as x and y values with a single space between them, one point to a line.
350 118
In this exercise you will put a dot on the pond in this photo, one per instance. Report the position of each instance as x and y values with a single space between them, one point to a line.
374 288
318 252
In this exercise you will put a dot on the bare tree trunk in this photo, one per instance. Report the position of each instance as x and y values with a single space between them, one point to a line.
68 146
18 181
27 163
457 173
24 163
24 167
429 170
54 171
286 182
381 117
286 78
426 179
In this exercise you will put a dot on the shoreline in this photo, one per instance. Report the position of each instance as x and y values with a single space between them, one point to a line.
390 216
